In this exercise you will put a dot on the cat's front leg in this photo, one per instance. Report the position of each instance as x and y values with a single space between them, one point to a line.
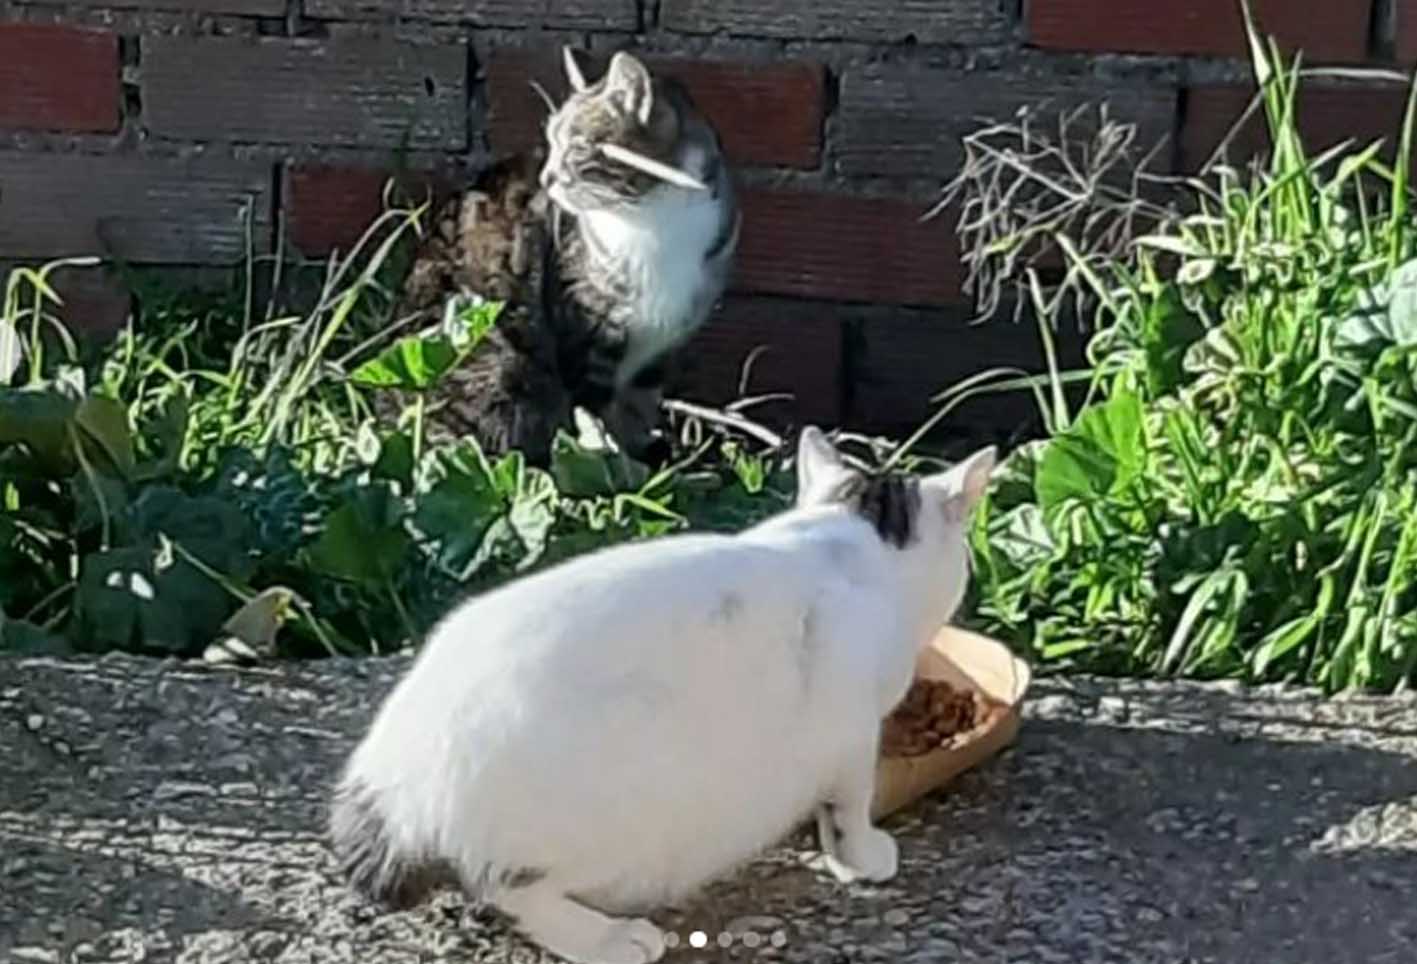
854 848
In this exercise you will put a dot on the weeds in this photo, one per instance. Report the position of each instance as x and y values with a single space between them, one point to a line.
1235 497
215 481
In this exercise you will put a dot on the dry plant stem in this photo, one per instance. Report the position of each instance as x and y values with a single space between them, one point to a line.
1020 187
737 422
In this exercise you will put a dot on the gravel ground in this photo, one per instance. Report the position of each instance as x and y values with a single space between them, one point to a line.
155 811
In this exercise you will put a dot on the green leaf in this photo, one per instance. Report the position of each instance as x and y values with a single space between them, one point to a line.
364 540
40 421
395 461
1385 314
1402 309
419 361
137 598
19 636
583 472
105 422
1103 452
415 363
1168 331
455 515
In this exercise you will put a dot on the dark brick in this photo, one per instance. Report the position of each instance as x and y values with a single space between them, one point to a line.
795 348
1323 29
1405 30
900 363
330 207
569 14
842 248
58 78
904 120
250 8
142 209
352 91
768 114
928 21
1326 116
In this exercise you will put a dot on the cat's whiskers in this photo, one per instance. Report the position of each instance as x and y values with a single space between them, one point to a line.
546 99
648 165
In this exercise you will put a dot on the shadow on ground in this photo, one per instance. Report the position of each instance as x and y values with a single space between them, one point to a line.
153 811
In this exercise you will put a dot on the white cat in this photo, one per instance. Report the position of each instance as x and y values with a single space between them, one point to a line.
612 733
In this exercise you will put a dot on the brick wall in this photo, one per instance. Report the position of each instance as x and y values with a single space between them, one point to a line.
184 132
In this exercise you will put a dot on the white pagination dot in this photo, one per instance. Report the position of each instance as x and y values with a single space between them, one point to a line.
752 939
779 938
698 939
725 939
671 940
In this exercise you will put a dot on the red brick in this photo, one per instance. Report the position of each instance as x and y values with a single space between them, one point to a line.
1323 29
95 302
331 207
768 114
899 363
1327 116
569 14
928 21
145 210
348 91
842 248
58 78
798 352
249 8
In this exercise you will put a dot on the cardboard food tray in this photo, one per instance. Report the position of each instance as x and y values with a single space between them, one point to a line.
970 661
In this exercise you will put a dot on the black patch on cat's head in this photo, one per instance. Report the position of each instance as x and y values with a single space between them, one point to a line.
891 503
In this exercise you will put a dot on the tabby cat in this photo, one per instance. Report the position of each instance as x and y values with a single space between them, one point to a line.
610 246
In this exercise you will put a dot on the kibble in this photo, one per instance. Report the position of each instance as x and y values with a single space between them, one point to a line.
932 716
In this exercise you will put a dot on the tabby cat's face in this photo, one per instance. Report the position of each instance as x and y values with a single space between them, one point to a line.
625 109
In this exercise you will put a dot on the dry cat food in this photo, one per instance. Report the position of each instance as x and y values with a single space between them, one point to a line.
932 714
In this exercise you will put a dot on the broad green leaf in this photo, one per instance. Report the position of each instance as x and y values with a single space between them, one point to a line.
417 362
395 459
40 421
1103 452
455 514
363 540
1168 331
136 598
105 421
414 363
19 636
582 472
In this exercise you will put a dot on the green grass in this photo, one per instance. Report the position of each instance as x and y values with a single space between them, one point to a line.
211 473
1236 496
1226 491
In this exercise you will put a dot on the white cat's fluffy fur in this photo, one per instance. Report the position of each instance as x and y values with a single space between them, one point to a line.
613 732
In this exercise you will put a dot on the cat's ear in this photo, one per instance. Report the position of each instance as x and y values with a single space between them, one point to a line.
574 77
628 82
820 468
965 484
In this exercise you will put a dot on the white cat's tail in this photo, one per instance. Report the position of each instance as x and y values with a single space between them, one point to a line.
371 857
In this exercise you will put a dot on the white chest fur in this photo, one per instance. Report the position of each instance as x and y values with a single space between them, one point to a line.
658 251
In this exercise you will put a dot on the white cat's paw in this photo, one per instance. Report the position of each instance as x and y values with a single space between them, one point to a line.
632 941
870 855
